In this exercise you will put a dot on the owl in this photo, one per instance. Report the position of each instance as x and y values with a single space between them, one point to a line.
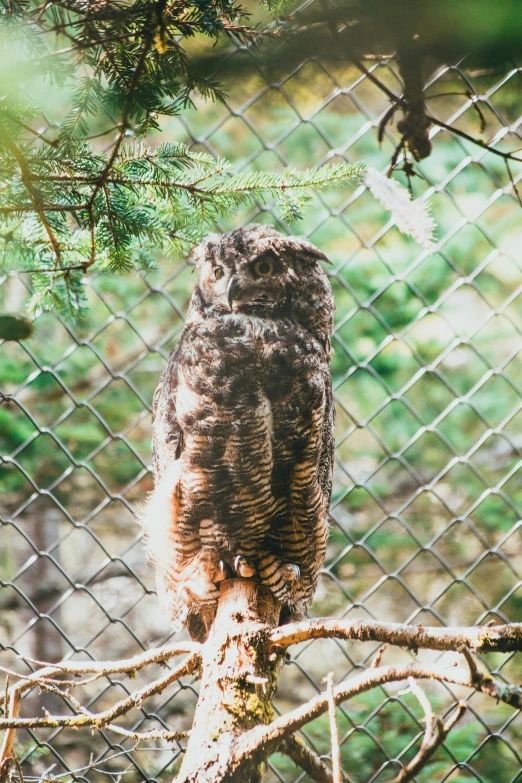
243 423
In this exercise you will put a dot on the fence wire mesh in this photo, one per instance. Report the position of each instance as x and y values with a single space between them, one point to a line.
427 373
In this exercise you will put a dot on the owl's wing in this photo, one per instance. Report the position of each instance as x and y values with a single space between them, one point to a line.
326 458
167 436
159 517
299 532
172 545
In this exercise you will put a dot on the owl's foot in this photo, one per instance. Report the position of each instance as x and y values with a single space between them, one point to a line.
290 573
222 572
244 567
285 580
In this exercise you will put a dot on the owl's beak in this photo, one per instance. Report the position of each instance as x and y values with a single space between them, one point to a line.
232 292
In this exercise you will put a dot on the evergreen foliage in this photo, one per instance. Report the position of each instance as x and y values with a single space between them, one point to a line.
67 202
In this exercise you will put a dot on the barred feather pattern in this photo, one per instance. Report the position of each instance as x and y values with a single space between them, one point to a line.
243 428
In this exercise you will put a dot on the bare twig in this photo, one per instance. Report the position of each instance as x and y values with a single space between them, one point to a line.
472 664
378 656
6 698
156 655
304 757
43 677
334 731
435 734
6 753
473 140
104 718
148 735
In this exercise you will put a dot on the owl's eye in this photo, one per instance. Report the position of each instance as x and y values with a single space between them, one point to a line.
264 267
218 273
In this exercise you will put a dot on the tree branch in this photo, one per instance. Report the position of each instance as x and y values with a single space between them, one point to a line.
334 731
45 677
104 718
400 102
239 663
304 757
268 737
497 638
126 109
435 734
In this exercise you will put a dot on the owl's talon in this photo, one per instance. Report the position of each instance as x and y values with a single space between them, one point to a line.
221 573
243 567
291 573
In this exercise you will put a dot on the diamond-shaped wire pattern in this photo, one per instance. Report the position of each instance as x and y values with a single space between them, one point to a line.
428 384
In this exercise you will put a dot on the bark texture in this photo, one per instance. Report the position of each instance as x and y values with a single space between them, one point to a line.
238 683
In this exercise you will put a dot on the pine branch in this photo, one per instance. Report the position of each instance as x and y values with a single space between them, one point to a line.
27 180
129 62
171 195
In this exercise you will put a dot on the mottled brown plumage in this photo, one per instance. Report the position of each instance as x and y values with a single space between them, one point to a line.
243 428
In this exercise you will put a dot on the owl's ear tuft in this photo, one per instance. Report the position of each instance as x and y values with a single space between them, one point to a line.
303 249
203 250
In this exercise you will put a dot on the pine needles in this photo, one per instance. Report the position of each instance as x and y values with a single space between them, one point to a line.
82 196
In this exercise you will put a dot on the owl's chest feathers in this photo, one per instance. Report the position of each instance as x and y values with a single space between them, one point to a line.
249 326
230 368
232 354
266 338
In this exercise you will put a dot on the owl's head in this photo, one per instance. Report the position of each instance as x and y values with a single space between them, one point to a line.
258 271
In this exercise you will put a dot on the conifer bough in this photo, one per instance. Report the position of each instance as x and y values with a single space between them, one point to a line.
87 192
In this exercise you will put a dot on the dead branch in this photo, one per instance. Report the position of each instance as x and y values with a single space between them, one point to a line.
398 101
429 715
234 730
304 757
44 678
472 664
268 737
13 705
239 679
376 660
483 638
140 736
435 734
334 731
105 718
102 668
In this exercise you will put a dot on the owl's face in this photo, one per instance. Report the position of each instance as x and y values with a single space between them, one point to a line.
256 283
258 271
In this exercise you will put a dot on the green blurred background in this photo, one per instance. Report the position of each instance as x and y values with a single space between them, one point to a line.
427 376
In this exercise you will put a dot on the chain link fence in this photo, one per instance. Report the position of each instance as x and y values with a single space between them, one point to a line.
427 373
